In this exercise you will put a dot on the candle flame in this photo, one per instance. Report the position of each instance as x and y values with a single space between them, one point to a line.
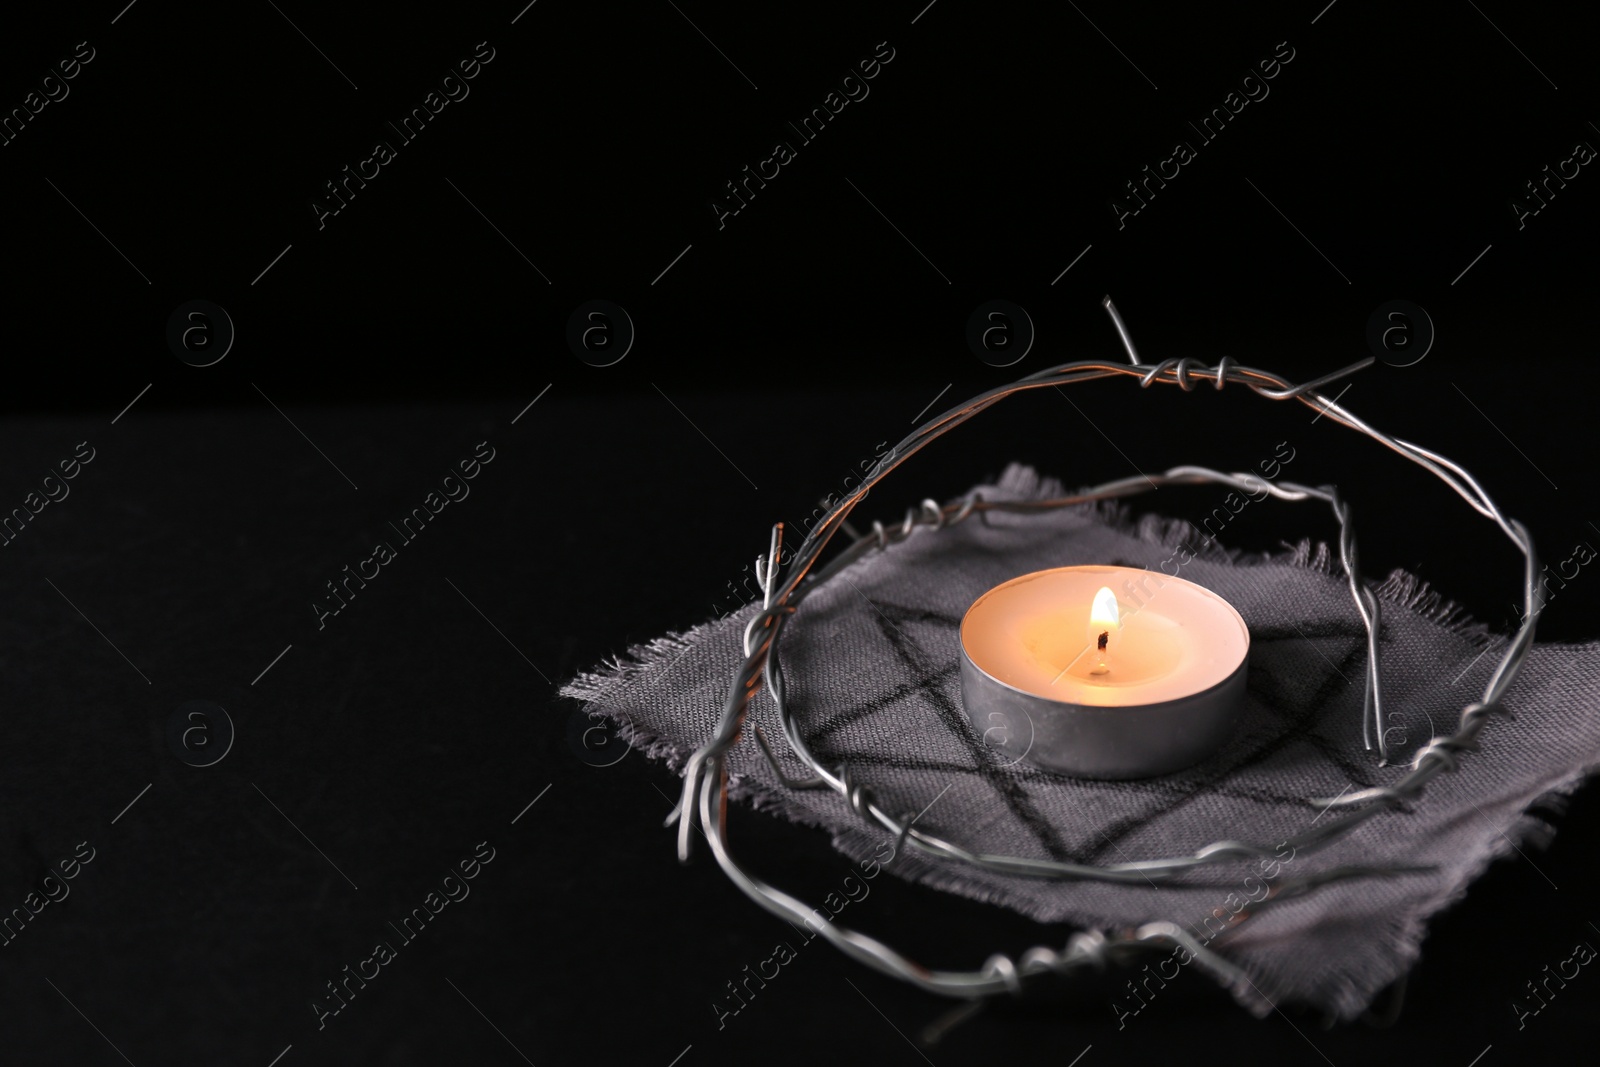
1104 614
1104 620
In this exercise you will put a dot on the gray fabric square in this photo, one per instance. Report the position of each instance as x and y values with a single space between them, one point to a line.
871 665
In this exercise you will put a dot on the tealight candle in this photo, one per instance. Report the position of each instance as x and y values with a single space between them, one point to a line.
1103 672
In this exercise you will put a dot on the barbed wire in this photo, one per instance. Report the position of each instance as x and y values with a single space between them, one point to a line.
705 779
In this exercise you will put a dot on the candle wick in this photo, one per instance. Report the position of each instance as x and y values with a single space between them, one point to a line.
1102 642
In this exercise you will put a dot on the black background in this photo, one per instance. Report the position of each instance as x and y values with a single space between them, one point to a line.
773 356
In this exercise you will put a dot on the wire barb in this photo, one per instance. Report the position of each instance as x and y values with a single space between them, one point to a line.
1122 330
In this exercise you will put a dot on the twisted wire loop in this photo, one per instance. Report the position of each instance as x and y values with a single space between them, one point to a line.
705 779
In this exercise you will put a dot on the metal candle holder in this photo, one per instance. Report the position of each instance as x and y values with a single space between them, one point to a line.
1101 741
705 779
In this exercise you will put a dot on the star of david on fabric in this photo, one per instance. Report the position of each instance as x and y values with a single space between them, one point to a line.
933 675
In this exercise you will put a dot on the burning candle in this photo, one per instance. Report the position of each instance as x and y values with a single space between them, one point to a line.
1103 672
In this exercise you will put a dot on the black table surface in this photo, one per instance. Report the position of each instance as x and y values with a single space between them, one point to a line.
181 538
